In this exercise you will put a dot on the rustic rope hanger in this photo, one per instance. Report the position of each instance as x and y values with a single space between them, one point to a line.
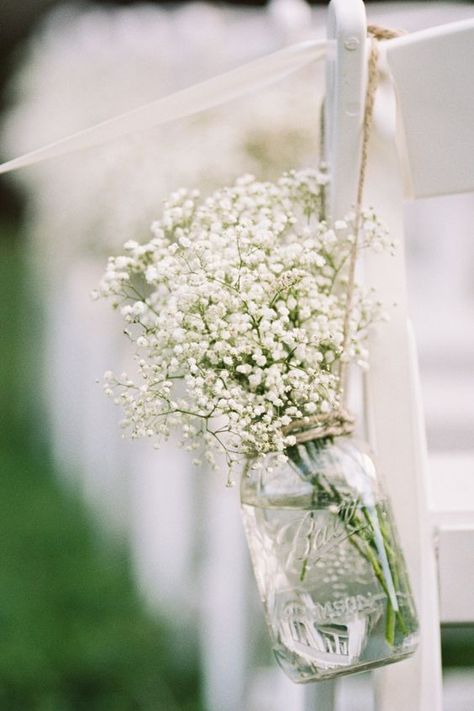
340 421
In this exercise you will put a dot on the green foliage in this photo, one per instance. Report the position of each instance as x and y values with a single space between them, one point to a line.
73 633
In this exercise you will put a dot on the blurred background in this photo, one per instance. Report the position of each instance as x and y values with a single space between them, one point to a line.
124 578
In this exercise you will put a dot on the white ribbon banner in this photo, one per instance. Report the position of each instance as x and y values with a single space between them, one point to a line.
187 102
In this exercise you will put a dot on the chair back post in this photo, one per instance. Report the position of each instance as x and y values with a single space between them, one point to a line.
346 76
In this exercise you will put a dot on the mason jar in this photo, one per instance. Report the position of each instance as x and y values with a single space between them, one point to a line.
326 557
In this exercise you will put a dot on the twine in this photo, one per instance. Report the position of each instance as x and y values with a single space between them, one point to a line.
376 33
341 422
334 424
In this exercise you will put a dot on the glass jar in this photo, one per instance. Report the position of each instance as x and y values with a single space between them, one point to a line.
327 561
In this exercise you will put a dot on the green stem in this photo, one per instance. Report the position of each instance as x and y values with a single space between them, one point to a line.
393 617
361 534
390 623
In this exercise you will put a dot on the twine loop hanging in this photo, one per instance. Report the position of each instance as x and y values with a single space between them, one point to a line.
340 421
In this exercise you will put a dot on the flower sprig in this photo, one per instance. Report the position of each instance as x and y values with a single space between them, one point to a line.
236 309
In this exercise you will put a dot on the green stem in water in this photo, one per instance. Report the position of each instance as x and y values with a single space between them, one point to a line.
361 535
390 623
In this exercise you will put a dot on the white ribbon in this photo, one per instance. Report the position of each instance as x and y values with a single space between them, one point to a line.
199 97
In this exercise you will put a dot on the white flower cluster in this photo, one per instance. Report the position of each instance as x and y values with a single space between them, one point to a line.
236 307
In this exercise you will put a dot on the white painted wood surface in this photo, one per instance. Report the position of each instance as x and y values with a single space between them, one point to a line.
224 579
81 342
451 505
345 97
433 72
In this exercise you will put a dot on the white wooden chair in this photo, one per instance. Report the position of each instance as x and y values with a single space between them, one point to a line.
422 145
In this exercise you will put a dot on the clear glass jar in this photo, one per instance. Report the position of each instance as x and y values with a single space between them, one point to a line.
327 561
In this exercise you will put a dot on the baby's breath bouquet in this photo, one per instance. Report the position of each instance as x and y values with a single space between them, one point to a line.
236 307
245 314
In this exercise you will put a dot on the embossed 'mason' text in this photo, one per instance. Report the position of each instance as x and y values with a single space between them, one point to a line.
333 609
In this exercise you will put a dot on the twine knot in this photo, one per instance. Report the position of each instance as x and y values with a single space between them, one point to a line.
383 33
333 424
